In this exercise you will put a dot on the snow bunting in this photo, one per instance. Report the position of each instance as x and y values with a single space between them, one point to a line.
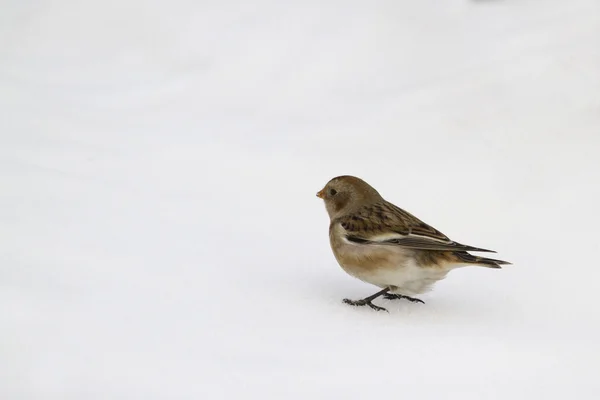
381 244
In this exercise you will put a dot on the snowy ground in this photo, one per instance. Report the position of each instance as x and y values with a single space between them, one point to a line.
161 238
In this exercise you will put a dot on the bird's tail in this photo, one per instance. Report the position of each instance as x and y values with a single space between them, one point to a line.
467 258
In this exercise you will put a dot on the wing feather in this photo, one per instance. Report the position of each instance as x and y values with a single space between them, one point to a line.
385 224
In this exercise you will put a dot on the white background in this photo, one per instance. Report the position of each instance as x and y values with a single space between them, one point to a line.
160 237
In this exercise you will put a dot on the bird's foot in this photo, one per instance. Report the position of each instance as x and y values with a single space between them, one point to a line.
391 296
364 302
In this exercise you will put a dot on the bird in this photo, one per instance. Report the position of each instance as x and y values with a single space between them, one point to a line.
381 244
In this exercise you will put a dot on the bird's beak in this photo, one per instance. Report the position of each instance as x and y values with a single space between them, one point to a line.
321 193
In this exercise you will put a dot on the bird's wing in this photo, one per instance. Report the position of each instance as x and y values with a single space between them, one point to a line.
384 223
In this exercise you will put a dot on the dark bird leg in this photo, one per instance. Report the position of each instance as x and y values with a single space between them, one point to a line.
391 296
367 300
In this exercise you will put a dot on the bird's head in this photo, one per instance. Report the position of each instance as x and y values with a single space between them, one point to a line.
344 194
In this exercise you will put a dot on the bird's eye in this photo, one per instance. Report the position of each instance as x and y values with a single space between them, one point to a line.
332 192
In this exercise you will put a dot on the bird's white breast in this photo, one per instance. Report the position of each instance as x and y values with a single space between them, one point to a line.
384 265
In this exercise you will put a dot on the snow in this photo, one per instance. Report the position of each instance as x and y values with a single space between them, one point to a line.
161 238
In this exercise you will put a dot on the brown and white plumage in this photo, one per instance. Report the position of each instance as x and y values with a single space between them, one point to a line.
381 244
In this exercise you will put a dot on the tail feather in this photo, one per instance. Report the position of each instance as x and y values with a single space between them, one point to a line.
467 258
471 248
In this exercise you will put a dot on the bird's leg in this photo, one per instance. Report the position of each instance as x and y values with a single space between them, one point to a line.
391 296
367 300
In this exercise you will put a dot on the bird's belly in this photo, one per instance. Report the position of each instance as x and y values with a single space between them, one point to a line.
387 266
409 279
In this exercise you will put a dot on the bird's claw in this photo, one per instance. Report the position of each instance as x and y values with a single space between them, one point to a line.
391 296
360 303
